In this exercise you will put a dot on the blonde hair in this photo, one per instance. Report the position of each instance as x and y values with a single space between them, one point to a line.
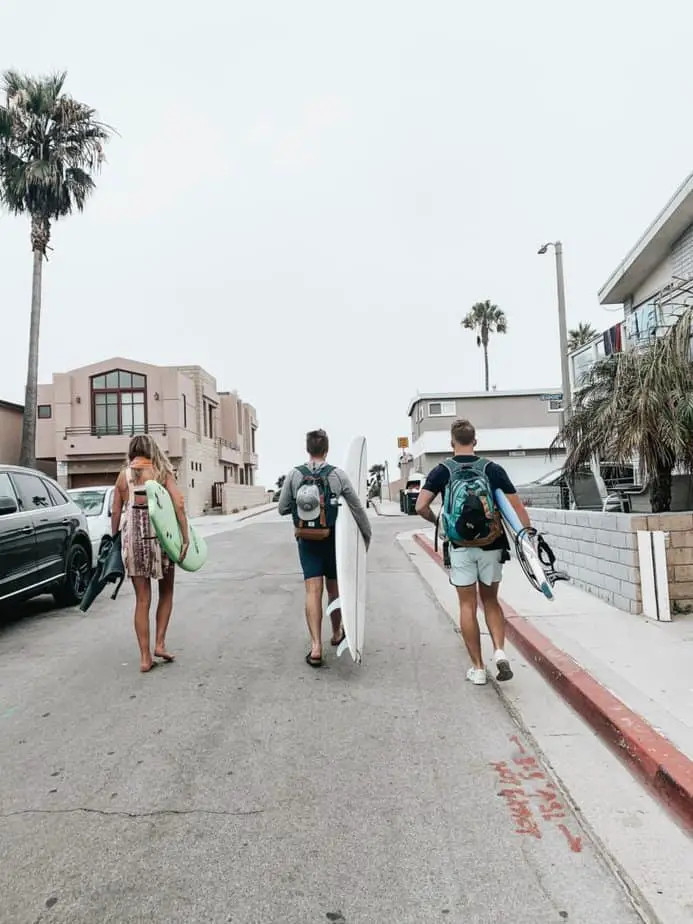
146 446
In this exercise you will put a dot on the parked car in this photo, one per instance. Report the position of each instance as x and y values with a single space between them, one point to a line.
45 546
97 504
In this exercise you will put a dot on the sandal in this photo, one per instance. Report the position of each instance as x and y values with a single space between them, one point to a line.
339 641
313 662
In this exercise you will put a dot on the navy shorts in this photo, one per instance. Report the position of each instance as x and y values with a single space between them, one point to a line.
318 558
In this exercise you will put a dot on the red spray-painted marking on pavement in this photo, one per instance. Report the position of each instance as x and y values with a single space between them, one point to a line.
526 769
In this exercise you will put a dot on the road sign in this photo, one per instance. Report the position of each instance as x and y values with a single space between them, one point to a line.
403 442
557 396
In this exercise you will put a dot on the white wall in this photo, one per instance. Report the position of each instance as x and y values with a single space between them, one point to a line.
659 278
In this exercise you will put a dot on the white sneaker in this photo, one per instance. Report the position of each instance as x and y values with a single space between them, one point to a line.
505 672
477 676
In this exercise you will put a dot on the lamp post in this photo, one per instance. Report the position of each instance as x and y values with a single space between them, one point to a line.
562 328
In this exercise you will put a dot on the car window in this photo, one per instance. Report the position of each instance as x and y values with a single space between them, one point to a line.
6 489
91 502
56 495
31 492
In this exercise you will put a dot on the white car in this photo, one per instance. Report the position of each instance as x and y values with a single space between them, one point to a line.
97 505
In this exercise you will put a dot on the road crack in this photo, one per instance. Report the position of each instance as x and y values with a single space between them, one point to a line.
156 813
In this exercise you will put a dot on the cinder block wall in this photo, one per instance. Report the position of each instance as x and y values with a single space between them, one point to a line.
598 550
679 526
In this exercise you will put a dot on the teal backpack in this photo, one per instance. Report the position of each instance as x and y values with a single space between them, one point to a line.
469 512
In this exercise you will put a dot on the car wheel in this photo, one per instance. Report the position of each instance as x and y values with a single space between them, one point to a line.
77 576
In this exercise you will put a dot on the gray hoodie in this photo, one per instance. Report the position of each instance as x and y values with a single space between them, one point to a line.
340 485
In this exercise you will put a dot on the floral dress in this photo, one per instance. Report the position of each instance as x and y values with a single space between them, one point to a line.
142 554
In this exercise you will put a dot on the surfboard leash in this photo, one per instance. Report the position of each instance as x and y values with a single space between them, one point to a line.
546 556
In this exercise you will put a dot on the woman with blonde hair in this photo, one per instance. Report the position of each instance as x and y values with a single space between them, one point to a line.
143 557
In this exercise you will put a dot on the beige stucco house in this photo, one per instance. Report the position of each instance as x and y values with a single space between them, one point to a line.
10 432
87 416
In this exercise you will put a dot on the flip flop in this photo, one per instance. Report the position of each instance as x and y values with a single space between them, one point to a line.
313 662
336 644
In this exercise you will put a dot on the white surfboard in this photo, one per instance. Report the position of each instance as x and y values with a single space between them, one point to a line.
351 557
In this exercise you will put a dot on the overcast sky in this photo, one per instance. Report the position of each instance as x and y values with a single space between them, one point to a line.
306 197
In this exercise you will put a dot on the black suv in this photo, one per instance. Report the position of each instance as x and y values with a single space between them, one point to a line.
44 539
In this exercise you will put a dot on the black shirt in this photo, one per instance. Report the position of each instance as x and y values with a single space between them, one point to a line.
438 478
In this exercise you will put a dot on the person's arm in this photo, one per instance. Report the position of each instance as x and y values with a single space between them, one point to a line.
285 505
435 482
354 503
501 480
117 510
179 506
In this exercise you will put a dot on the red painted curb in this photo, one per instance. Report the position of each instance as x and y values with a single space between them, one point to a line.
665 769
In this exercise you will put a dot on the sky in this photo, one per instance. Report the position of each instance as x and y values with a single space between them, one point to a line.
305 198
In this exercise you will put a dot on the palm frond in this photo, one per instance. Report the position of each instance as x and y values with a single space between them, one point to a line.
51 146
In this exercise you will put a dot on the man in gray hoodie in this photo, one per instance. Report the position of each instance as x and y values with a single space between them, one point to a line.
311 493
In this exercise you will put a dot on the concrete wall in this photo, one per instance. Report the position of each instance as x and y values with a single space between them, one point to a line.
241 496
599 551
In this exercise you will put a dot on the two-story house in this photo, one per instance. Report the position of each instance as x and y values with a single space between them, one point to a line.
87 416
514 428
653 283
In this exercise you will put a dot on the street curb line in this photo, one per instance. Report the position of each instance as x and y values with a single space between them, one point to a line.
654 759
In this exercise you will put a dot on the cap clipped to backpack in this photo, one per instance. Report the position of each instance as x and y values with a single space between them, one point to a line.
308 505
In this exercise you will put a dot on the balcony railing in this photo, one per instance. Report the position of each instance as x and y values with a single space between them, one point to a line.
228 445
98 432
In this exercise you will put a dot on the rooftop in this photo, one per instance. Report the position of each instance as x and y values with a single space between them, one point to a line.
468 395
10 406
652 248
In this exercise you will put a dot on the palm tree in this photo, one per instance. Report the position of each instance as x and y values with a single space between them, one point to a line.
580 336
485 319
50 147
637 403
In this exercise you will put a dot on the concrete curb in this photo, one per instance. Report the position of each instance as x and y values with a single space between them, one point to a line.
654 759
254 512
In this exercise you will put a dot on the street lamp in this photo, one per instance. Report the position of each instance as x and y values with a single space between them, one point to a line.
562 329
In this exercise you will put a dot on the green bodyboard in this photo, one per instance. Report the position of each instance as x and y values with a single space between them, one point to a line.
162 513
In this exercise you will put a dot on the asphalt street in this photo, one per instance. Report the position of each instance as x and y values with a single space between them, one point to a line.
239 786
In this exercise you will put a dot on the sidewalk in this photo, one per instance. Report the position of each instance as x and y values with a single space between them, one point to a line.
630 678
386 508
211 524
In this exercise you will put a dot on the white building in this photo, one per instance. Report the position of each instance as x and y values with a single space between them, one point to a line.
653 282
514 428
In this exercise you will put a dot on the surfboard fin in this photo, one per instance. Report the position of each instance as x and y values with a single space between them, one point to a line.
335 605
343 646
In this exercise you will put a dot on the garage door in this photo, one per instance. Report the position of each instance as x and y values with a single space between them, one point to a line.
83 480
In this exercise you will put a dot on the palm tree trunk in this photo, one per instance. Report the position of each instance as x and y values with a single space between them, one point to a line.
660 491
28 451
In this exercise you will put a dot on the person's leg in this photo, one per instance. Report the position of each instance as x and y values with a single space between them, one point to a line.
490 573
163 613
330 572
314 589
335 615
143 599
464 576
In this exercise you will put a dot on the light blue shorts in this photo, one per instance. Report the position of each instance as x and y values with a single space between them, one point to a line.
467 566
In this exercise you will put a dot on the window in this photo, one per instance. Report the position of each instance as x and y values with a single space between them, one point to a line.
31 491
45 412
185 413
442 409
6 489
119 403
554 405
252 440
57 497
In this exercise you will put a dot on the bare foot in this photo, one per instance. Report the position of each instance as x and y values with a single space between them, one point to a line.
160 652
146 666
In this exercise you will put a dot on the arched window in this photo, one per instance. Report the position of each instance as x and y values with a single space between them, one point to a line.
118 403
